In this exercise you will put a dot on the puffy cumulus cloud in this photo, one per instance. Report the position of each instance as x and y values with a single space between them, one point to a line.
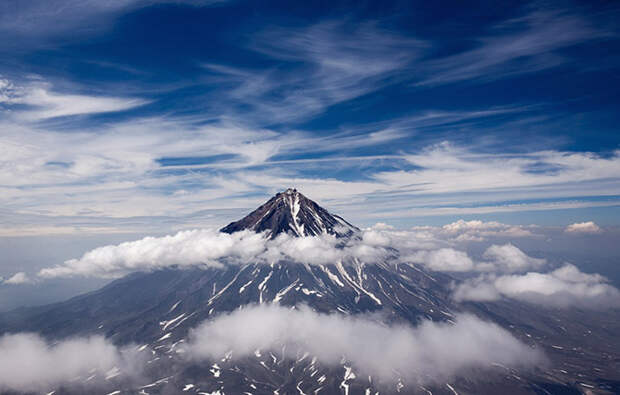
193 247
508 258
476 230
430 351
18 278
444 260
563 287
30 364
504 258
480 289
382 235
583 227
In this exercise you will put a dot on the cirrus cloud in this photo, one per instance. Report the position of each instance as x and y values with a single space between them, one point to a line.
42 102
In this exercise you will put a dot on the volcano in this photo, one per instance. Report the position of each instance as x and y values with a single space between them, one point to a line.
158 309
293 213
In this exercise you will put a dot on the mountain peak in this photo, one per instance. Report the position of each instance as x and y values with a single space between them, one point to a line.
293 213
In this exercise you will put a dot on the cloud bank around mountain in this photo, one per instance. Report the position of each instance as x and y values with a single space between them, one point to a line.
28 363
431 351
505 271
212 248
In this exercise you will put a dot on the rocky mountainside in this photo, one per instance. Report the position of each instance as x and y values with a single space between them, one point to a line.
156 310
293 213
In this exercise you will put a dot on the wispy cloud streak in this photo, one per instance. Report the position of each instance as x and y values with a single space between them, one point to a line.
36 100
527 44
315 67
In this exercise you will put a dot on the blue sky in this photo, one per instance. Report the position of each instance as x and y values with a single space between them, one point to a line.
152 116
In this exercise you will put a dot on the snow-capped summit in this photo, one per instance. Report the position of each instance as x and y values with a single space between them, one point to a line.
291 212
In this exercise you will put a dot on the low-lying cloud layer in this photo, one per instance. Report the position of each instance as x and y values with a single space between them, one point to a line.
430 351
29 363
205 247
505 270
562 287
213 248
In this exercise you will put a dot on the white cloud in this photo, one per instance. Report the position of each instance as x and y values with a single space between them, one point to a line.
416 211
522 45
480 289
430 351
319 65
583 227
195 247
211 248
462 225
312 67
113 172
564 287
6 90
443 260
208 247
448 168
502 265
18 278
497 258
43 20
509 259
42 102
476 230
30 364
